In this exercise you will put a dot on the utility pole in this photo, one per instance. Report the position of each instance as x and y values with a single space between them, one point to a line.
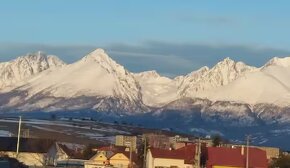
145 152
131 154
19 134
247 157
197 154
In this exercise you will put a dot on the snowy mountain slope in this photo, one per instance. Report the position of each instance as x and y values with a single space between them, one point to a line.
234 93
204 79
276 61
95 82
159 90
231 113
271 84
25 67
228 97
156 90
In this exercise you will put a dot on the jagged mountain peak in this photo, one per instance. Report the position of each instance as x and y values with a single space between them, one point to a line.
96 82
148 74
36 54
55 61
25 67
199 71
98 54
100 57
38 57
229 66
284 62
223 73
228 62
33 55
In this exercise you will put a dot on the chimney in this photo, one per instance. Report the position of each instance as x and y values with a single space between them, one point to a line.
242 150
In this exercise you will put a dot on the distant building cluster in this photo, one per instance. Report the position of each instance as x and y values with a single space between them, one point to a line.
150 150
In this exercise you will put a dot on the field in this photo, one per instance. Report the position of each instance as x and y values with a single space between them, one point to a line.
72 131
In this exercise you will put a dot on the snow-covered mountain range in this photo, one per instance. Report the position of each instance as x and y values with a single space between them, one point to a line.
228 91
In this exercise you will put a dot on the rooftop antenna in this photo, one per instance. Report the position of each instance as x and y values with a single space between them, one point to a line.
247 157
145 151
197 154
131 166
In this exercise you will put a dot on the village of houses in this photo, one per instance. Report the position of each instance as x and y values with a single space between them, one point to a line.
150 150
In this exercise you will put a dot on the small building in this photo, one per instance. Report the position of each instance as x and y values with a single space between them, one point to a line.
38 152
207 142
122 160
160 141
98 160
61 155
32 152
178 138
128 141
184 157
101 158
112 156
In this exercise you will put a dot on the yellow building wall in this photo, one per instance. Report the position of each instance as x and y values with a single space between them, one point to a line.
119 160
225 167
29 159
93 165
100 158
170 162
96 161
155 162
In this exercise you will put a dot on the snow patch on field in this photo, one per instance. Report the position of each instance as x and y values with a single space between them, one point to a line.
4 133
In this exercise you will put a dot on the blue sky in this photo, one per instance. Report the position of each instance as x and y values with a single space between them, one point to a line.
151 34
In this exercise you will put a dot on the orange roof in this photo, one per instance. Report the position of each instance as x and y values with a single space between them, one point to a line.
257 157
224 156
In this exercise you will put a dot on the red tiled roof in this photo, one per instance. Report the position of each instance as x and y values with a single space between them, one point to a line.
257 157
223 156
71 153
186 153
